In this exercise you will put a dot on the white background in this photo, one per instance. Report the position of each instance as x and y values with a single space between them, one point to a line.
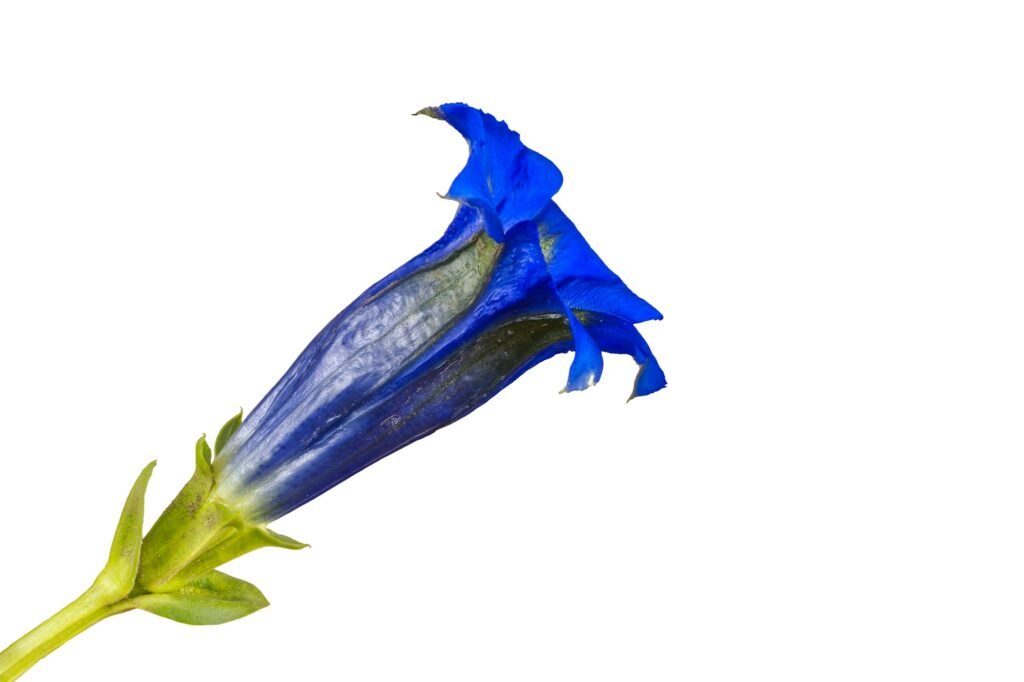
824 200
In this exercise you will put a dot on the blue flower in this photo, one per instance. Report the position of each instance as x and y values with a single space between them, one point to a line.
511 283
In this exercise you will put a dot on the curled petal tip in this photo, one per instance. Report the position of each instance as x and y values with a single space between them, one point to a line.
649 379
432 112
587 363
580 383
584 372
506 181
582 278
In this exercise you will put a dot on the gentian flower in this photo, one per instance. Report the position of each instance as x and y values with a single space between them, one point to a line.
511 283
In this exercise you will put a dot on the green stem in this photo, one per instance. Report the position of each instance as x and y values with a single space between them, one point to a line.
171 573
73 619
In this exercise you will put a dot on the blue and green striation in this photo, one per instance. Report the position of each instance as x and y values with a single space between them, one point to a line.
509 284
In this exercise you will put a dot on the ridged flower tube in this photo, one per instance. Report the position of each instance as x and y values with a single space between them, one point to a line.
510 283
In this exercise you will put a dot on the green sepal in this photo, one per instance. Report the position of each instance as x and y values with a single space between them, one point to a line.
180 531
211 599
169 572
274 539
197 533
226 431
203 454
117 578
233 537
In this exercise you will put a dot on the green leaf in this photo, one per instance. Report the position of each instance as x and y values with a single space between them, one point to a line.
117 578
209 600
226 431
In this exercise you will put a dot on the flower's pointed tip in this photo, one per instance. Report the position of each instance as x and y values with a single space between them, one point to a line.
432 112
649 379
634 395
581 382
587 363
204 455
503 179
577 386
492 222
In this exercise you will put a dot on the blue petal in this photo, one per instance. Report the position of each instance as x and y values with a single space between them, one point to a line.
299 378
587 364
506 181
360 423
583 280
363 347
619 336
